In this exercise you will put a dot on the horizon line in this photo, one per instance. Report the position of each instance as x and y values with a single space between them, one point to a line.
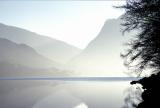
73 78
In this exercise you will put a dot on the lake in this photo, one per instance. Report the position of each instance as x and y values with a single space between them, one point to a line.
62 93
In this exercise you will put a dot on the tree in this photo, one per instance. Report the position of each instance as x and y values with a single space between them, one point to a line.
144 48
144 52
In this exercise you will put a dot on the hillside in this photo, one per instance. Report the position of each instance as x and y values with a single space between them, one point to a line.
51 48
20 59
102 55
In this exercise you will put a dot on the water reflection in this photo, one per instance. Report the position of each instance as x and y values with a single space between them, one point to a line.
62 94
58 99
82 105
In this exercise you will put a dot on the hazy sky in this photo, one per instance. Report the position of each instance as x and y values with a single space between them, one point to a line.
75 22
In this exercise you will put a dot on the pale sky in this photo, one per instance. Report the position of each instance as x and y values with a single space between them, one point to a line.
74 22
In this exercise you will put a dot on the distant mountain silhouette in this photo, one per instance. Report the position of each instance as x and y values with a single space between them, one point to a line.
48 47
102 55
21 59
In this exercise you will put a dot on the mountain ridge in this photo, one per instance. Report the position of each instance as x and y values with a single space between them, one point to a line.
102 55
46 46
17 59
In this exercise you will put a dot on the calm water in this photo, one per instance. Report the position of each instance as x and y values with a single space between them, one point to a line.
62 94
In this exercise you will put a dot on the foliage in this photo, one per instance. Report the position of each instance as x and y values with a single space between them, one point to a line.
144 51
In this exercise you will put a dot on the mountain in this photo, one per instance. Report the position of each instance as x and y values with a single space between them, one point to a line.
20 59
102 55
53 49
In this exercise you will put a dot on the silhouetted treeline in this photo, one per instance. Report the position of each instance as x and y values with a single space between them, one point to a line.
143 56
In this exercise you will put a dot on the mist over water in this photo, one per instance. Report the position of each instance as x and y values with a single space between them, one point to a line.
62 94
